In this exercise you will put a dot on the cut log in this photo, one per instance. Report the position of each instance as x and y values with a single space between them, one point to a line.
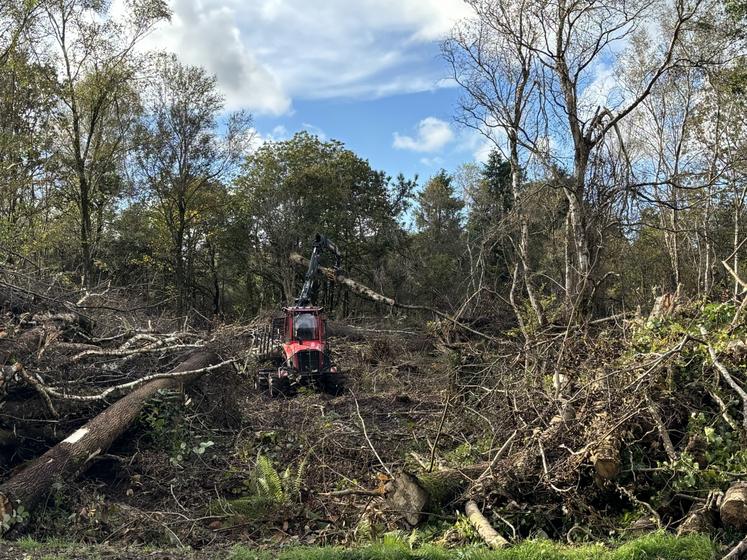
414 496
606 459
734 506
483 526
74 454
605 453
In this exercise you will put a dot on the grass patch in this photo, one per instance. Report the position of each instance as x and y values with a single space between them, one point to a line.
28 544
657 546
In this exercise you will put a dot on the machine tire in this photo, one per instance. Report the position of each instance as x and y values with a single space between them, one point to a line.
262 380
279 387
333 384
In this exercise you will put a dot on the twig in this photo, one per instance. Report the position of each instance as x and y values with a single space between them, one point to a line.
365 434
134 384
729 379
438 435
724 411
352 492
38 386
498 455
737 552
156 347
668 447
636 501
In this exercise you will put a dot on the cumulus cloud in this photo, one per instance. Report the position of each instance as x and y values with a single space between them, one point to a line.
267 52
207 34
432 135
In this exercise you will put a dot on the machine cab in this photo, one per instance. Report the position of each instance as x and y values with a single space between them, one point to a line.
300 325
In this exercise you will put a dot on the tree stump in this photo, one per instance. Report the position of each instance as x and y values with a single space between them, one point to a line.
417 495
734 506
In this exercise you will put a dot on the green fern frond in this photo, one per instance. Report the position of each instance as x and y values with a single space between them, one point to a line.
294 482
268 480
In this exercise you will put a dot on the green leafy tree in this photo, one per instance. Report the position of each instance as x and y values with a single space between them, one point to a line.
183 152
288 191
491 196
94 117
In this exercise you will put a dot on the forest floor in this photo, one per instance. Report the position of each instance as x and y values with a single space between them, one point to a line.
187 475
630 451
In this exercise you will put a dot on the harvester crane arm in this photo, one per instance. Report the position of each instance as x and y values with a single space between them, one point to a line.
321 244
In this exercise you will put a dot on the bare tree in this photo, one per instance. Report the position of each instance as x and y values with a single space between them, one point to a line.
557 47
496 71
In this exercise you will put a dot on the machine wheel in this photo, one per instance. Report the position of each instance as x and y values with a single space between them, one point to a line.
262 380
333 384
279 386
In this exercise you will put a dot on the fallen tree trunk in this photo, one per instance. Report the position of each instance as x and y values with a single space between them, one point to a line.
72 456
483 526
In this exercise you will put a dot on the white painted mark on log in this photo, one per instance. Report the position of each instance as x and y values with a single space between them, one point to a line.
76 436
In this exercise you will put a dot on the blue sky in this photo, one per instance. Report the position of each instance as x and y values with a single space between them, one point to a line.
368 127
366 72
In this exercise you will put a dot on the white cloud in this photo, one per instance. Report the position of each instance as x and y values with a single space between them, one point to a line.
315 130
478 145
432 135
482 152
279 133
267 52
601 88
432 162
208 35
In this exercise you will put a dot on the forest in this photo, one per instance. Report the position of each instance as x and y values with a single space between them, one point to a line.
542 355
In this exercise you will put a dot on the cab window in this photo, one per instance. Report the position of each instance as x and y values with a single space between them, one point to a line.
304 326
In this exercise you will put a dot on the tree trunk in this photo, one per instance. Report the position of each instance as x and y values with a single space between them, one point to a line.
417 495
85 234
179 274
734 506
73 455
581 289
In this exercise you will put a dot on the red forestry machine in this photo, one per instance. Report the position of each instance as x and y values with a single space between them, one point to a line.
293 350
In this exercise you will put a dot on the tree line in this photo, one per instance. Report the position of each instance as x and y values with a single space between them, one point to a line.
617 167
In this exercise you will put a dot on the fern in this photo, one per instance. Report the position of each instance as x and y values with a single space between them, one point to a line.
269 484
292 481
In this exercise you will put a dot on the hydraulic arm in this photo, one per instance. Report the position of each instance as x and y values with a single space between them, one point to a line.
321 244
